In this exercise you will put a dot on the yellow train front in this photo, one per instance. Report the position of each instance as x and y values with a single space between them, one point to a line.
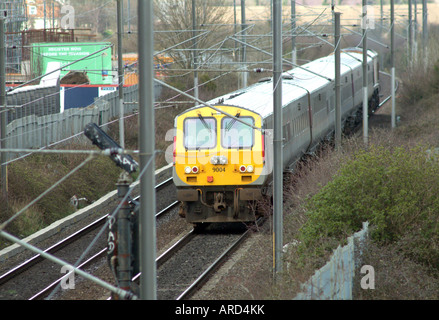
218 164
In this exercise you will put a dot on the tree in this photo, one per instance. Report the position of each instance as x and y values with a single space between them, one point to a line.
175 17
98 15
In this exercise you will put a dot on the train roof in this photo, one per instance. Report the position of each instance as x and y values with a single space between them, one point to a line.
296 83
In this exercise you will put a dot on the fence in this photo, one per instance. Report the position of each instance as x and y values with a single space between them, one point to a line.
32 131
35 100
130 94
335 280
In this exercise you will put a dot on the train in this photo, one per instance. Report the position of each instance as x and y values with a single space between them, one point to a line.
222 155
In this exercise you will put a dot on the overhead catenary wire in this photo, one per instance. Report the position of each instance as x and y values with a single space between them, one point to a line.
289 62
222 44
31 151
320 14
200 67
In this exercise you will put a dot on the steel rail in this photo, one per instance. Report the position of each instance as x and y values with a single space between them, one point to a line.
163 211
45 292
71 238
54 248
213 267
164 257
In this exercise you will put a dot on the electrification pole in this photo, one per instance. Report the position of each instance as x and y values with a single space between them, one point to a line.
425 32
3 111
44 8
392 61
194 41
365 100
244 48
234 30
415 31
337 81
410 35
129 15
148 281
120 71
293 33
277 141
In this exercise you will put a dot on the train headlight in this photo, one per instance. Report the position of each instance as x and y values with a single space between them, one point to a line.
187 170
214 160
194 169
242 168
249 168
218 160
223 160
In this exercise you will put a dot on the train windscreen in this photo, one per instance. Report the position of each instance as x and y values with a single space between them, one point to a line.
235 134
199 133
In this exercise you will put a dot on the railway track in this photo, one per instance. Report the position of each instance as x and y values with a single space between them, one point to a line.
210 270
24 275
185 266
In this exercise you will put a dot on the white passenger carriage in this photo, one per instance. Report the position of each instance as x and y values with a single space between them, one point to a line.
308 99
211 190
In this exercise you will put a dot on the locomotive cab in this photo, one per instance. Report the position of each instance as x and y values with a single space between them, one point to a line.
218 164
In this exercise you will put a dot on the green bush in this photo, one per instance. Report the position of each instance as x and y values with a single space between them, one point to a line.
397 191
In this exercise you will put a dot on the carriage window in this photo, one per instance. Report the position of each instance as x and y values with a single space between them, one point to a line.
235 134
199 133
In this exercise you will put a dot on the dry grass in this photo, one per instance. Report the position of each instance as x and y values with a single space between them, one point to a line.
396 276
30 177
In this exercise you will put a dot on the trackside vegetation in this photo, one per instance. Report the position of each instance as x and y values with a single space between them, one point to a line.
396 190
393 184
30 177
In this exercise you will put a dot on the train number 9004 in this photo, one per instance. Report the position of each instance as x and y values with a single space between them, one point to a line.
219 169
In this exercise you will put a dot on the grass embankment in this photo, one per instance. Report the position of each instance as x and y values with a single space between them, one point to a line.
30 177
